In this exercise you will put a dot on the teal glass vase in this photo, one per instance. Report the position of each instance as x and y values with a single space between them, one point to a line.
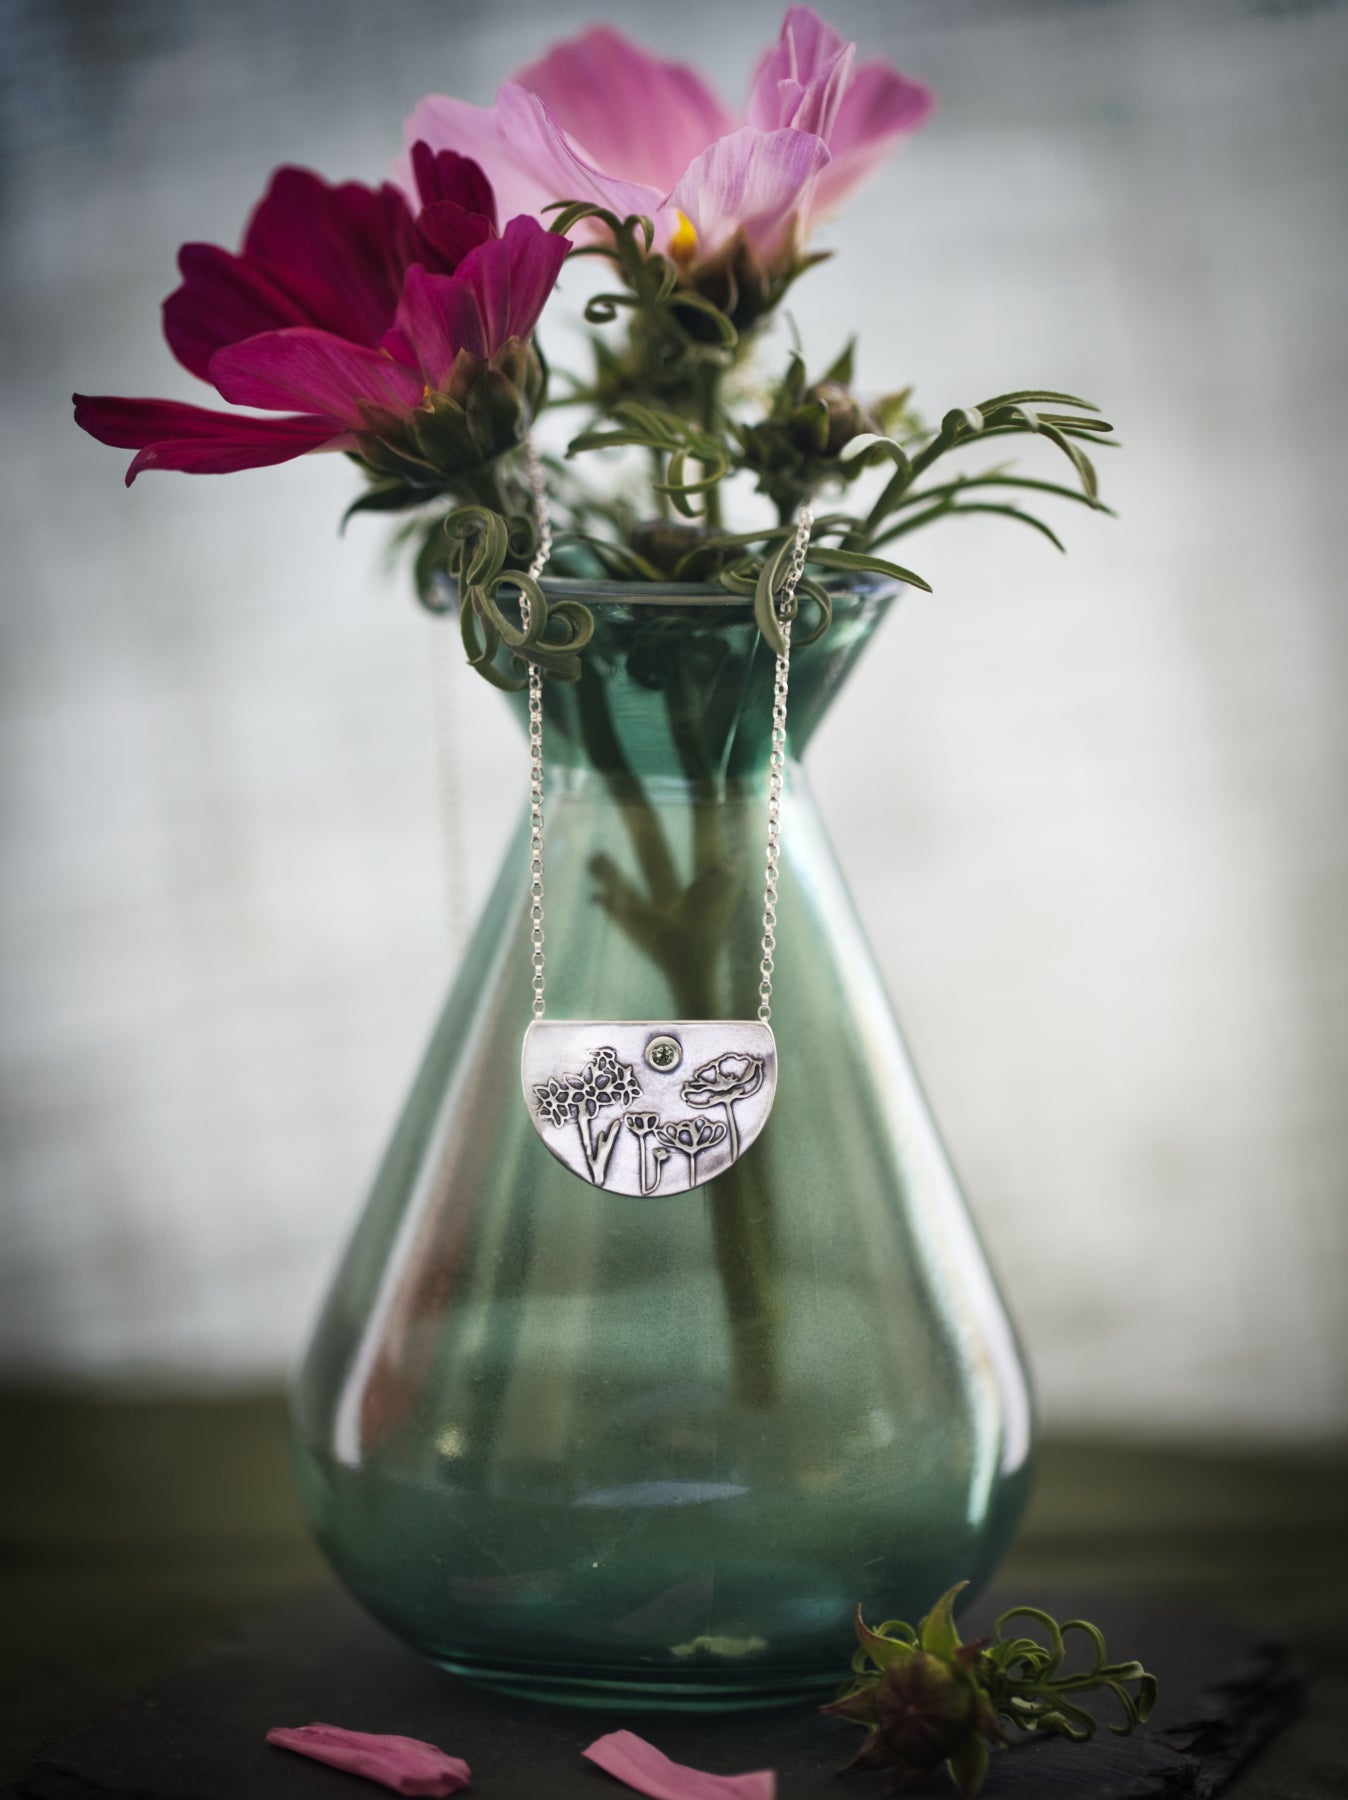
652 1452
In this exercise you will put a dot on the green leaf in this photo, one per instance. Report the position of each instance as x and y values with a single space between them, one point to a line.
1100 427
937 1633
841 369
858 1707
968 483
740 577
1067 1720
806 589
969 1765
609 440
486 538
900 1630
769 580
985 506
684 301
1096 1639
1033 396
1023 418
571 212
874 448
881 1649
570 625
618 559
385 496
710 455
433 559
1051 1628
665 274
1082 463
603 309
863 563
483 596
481 648
962 420
792 386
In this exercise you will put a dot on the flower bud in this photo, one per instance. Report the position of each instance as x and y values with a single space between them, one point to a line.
483 410
925 1708
847 416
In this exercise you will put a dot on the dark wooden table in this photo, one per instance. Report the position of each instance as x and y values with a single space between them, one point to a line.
130 1534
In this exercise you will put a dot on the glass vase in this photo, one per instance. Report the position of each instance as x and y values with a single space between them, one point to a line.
652 1451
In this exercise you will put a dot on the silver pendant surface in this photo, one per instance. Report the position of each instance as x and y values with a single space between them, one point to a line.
649 1107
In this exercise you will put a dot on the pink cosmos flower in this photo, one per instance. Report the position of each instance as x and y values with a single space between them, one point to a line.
600 119
370 325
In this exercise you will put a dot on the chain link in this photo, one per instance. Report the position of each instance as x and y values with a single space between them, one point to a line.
536 567
786 609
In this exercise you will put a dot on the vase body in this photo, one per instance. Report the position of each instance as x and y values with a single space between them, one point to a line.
652 1451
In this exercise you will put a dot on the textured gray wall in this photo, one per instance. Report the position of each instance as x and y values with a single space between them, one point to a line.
1111 896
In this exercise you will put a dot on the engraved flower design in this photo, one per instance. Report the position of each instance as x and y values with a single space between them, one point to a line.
583 1093
691 1137
721 1083
554 1102
605 1082
729 1078
644 1126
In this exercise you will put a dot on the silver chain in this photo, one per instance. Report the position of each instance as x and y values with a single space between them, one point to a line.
536 567
786 608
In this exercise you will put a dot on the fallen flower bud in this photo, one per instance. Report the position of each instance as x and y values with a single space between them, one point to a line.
404 1764
927 1699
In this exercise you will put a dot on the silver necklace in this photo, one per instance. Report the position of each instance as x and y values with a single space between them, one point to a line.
652 1106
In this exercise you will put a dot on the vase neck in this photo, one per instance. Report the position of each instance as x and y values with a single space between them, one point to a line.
676 699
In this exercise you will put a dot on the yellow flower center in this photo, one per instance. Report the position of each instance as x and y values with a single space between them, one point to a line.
683 243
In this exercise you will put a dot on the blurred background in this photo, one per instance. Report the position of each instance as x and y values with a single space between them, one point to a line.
1110 882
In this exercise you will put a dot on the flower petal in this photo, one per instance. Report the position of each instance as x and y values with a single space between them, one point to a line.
223 299
801 80
475 132
627 112
446 232
640 1765
438 316
512 277
314 369
527 156
498 292
754 179
445 175
564 171
193 439
880 106
407 1765
339 253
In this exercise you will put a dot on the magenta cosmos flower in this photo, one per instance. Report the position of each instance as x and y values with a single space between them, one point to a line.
400 335
602 120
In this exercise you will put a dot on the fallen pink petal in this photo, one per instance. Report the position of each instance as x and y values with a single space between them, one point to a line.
641 1766
406 1765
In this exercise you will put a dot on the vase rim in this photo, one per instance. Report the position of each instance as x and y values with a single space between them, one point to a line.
695 593
684 593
